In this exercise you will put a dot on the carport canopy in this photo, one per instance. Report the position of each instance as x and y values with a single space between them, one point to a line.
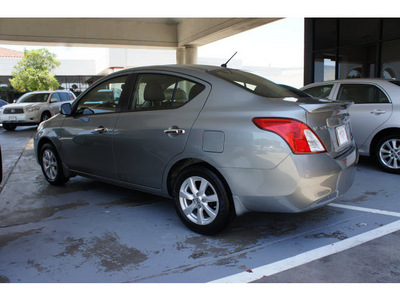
182 34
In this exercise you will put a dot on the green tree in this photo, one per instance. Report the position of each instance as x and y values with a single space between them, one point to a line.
32 72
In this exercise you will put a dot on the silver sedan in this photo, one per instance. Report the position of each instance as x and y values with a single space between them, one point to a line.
219 141
375 115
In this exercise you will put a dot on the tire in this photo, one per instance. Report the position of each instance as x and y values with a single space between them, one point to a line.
51 165
202 201
387 153
9 127
45 116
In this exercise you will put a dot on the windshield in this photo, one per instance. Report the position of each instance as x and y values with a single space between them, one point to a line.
34 98
253 83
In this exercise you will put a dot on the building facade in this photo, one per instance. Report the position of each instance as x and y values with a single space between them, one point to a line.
340 48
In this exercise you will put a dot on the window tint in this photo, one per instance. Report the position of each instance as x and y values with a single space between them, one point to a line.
104 98
34 98
253 83
361 93
157 91
64 96
321 92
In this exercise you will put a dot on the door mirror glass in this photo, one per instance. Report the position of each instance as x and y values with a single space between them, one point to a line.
66 109
53 100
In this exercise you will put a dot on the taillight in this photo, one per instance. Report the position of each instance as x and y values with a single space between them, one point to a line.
300 138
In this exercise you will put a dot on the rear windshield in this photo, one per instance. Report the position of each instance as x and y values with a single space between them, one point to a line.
253 83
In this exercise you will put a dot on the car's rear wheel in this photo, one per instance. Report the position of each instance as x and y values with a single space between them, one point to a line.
9 127
51 165
202 201
387 153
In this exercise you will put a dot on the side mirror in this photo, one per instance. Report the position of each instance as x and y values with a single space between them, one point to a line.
66 109
53 100
15 101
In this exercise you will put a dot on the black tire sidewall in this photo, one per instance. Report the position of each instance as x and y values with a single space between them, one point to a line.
225 211
60 177
46 113
377 155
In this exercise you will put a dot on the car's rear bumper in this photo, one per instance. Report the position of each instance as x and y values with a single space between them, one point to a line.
299 183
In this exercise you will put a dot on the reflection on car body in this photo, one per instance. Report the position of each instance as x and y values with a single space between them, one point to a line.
220 142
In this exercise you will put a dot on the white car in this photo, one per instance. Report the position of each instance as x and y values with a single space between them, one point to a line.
375 115
33 108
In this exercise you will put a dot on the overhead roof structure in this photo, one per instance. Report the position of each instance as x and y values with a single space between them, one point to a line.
167 33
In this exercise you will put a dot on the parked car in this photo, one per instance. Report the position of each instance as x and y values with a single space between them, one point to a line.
238 143
375 115
2 103
33 108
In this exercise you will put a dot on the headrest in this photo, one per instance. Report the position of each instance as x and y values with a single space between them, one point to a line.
153 92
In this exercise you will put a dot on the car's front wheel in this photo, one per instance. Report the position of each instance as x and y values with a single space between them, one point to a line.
9 127
51 165
387 153
202 201
45 116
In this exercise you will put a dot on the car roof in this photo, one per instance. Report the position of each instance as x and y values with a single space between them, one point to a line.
353 80
187 69
45 92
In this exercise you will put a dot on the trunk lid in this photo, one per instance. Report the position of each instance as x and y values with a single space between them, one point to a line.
330 120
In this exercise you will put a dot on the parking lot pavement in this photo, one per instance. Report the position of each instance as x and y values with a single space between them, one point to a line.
87 231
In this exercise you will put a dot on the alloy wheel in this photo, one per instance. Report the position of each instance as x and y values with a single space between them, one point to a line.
49 162
389 153
199 200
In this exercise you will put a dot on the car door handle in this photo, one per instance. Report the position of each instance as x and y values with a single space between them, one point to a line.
378 112
101 129
174 131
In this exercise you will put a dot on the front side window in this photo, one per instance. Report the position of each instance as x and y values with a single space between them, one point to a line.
159 92
104 98
320 92
361 93
55 97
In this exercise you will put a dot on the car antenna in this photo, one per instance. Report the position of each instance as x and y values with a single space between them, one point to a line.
226 64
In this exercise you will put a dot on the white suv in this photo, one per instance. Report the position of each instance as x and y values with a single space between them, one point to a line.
33 108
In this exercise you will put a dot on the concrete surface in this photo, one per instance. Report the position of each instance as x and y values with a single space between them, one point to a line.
88 231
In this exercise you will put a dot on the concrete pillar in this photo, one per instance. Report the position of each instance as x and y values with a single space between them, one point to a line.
180 56
190 55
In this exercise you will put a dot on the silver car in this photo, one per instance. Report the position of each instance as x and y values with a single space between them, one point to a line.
220 142
375 115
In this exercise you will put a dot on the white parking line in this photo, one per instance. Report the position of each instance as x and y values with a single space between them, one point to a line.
369 210
318 253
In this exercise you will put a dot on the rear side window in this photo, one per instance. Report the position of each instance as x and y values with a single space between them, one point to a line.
64 96
253 83
361 93
320 92
159 92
